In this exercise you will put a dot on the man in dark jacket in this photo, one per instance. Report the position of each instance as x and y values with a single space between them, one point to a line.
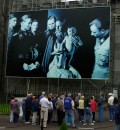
28 103
34 108
117 113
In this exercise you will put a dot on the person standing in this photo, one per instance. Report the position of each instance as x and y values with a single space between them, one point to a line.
28 103
60 110
34 109
81 108
101 107
111 106
11 109
50 110
93 107
87 111
44 103
69 110
117 113
16 111
100 30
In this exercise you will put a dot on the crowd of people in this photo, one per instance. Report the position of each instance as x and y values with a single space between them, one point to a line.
64 108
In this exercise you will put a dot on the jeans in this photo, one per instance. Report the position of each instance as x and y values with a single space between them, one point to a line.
15 117
87 111
112 112
69 112
100 112
23 116
34 117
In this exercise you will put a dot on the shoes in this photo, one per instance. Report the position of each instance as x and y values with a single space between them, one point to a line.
27 122
110 120
81 121
91 124
68 124
74 127
84 123
93 121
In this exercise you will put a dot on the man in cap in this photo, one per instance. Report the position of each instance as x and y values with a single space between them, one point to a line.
111 106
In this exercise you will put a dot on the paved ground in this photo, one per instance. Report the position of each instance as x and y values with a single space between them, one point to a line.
106 125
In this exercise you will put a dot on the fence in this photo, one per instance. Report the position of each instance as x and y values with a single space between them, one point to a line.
4 104
4 108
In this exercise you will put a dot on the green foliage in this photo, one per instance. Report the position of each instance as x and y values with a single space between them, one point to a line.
63 126
4 108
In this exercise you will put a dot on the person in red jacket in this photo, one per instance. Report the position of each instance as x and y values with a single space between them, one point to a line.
93 107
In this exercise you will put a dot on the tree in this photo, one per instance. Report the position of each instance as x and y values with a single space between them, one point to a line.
63 126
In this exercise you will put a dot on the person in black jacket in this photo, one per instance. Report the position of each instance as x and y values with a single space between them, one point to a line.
117 113
28 104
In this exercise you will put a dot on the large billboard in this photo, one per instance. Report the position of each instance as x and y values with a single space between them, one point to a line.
59 43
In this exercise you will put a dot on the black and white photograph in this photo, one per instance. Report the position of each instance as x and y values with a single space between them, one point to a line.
59 43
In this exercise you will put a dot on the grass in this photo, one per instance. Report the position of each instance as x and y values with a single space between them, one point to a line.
4 108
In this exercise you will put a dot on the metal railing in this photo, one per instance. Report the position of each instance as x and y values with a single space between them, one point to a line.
34 5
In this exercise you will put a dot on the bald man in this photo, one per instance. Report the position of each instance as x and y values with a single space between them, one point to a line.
100 30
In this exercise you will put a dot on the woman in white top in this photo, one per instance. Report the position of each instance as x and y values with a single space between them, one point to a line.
81 108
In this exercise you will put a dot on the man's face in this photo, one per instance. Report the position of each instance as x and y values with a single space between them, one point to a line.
96 32
27 23
51 24
34 26
58 26
13 22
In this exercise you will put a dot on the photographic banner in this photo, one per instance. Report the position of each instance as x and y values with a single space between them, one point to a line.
59 43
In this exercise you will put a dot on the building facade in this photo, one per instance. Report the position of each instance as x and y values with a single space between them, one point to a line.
21 86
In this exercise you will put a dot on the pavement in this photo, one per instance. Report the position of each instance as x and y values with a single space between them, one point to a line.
105 125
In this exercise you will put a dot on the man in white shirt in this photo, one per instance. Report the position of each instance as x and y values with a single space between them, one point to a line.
44 110
111 106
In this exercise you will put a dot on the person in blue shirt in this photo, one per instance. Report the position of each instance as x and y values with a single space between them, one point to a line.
69 109
100 107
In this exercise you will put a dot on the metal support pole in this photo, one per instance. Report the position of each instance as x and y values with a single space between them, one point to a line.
81 85
28 85
48 85
58 85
